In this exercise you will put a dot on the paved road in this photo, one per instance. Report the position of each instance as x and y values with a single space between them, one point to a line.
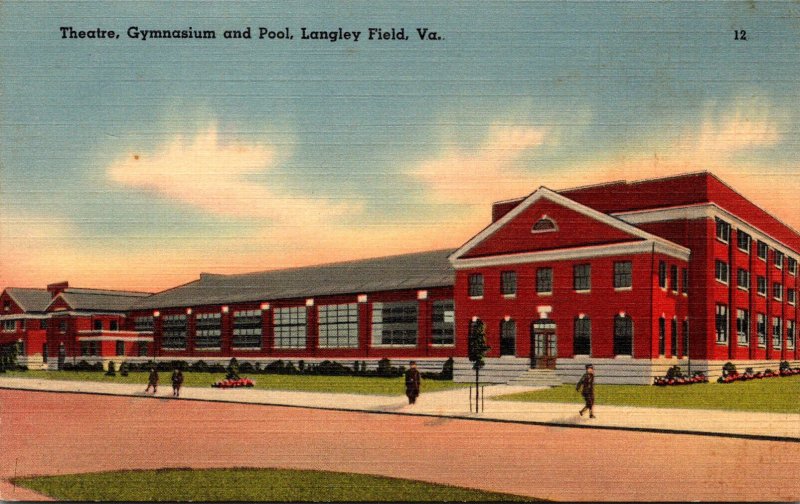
56 433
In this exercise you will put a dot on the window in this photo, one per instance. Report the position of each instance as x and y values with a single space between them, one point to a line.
761 285
43 324
143 324
791 296
662 336
790 336
6 305
114 325
673 277
762 250
44 353
662 274
174 332
508 337
120 347
777 259
777 333
98 325
791 264
761 329
723 230
544 225
721 271
290 327
582 338
247 329
743 327
208 330
508 283
544 280
685 286
686 337
743 278
777 291
476 285
142 350
62 325
9 325
722 323
623 335
338 326
89 348
674 337
443 319
743 241
582 277
623 274
394 323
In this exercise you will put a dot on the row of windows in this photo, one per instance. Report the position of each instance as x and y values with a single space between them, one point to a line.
664 282
744 243
743 328
11 325
92 348
743 281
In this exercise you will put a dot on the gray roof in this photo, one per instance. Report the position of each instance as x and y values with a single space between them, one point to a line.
101 300
407 271
30 300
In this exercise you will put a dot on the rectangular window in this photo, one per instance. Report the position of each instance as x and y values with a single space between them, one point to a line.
722 323
544 280
98 325
443 325
791 296
508 283
623 335
743 327
174 332
761 285
777 333
673 277
790 335
723 230
623 274
394 323
84 348
143 324
582 277
9 326
777 259
743 241
762 250
674 337
62 326
508 337
662 336
143 350
662 274
777 291
338 326
290 327
791 264
247 329
721 271
761 329
208 330
476 285
120 347
685 337
113 325
743 278
43 324
685 286
583 336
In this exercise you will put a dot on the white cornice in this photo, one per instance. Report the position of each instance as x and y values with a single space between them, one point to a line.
111 338
20 316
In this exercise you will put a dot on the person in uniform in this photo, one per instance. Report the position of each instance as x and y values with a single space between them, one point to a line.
412 383
177 381
152 380
586 387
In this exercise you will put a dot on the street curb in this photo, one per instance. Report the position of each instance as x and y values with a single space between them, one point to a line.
752 437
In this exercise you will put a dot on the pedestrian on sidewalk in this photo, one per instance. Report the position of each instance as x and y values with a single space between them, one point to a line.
177 381
586 387
412 383
152 380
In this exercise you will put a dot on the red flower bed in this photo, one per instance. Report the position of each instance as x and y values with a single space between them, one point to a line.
241 382
663 382
732 377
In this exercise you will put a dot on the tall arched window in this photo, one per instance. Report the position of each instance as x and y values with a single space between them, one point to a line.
582 337
662 335
508 337
623 335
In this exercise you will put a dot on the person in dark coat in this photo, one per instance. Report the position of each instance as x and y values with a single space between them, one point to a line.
586 387
412 383
152 380
177 381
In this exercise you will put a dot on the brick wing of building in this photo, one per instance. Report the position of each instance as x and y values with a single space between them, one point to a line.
632 277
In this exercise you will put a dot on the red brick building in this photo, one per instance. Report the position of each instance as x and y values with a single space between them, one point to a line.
633 277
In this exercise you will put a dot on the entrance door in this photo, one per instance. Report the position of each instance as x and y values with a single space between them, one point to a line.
544 347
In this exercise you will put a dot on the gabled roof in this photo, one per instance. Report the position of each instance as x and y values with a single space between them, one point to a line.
99 299
407 271
545 193
30 300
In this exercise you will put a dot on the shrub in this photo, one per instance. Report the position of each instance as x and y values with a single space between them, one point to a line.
111 371
749 371
301 365
246 367
728 368
784 366
384 368
328 368
123 369
274 367
257 367
674 372
447 369
232 371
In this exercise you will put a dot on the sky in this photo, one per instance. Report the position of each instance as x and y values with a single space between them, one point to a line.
137 164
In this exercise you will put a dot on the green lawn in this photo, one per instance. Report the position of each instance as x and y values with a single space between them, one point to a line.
338 384
278 485
772 395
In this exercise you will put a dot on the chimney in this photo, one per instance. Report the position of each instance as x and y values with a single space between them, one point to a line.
56 288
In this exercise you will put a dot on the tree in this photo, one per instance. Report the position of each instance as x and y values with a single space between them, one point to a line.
476 350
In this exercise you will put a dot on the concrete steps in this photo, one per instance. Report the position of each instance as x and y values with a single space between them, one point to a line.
496 370
537 378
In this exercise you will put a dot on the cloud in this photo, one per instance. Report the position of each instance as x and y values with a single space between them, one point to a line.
462 175
217 177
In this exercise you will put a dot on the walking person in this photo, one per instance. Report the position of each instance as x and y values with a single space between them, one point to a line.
586 387
177 381
152 380
412 383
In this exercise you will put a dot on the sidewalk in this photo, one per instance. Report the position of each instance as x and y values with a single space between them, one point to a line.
455 404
